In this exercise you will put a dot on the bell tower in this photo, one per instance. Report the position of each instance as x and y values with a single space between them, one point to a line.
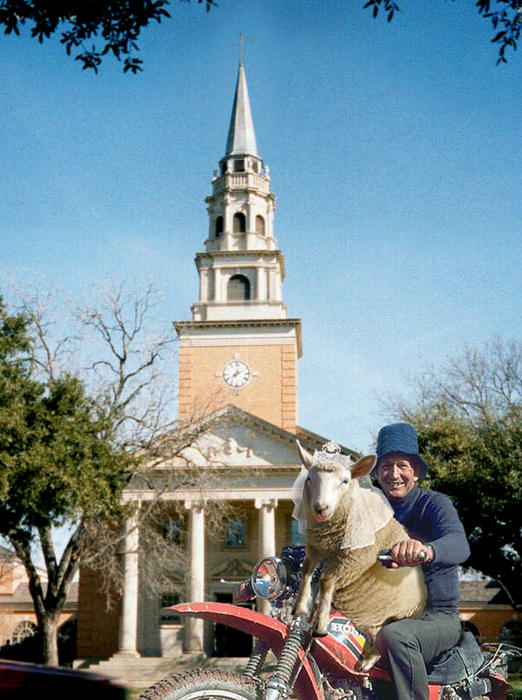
240 347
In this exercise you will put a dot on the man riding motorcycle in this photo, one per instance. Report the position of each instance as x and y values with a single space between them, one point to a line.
438 543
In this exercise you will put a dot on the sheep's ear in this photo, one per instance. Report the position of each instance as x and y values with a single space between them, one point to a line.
363 466
306 457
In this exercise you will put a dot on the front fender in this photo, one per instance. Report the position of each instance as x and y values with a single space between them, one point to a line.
271 631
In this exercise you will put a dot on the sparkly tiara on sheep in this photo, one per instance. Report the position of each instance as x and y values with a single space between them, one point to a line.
331 452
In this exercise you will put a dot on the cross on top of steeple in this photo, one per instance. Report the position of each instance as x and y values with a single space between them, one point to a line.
241 42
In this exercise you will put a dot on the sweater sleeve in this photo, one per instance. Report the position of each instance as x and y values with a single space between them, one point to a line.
447 536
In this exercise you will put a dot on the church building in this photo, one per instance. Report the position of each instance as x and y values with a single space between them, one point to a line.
238 355
238 380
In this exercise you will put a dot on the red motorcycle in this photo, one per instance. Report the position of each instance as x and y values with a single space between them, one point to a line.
318 668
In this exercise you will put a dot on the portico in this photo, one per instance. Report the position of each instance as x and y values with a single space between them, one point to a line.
264 492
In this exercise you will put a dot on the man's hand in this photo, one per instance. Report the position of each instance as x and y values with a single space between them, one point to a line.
410 553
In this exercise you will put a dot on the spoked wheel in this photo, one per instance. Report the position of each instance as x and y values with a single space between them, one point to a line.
202 684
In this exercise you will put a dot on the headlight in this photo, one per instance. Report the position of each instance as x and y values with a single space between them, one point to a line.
269 578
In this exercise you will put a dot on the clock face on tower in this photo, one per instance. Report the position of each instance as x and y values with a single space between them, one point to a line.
236 373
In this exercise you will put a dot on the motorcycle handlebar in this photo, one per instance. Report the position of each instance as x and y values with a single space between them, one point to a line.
386 559
242 592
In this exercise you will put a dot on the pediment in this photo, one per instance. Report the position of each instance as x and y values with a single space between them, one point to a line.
238 439
232 570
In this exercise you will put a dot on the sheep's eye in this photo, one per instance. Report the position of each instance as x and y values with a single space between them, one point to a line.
345 481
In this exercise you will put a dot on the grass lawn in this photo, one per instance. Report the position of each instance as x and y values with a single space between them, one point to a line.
516 682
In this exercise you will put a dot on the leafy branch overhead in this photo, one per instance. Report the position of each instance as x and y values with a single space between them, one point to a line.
112 27
93 29
505 17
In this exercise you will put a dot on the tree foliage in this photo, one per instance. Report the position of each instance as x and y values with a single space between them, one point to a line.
113 26
505 17
56 466
468 415
85 420
95 29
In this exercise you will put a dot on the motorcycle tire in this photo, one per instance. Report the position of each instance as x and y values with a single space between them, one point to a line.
204 684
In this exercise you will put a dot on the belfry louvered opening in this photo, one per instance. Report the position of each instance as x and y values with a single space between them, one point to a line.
238 288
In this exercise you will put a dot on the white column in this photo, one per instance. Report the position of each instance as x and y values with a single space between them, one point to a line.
272 292
211 285
250 216
203 284
218 283
196 590
266 538
127 642
261 290
227 224
266 545
278 286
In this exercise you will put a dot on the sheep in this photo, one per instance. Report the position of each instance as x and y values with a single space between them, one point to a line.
341 518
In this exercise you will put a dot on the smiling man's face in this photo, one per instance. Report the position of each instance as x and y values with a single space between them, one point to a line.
396 474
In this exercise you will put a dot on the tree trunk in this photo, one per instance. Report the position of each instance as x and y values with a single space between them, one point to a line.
49 632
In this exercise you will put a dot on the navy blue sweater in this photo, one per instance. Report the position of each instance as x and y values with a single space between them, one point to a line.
431 518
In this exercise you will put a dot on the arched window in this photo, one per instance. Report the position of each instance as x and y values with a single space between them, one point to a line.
22 631
239 223
260 225
238 288
219 226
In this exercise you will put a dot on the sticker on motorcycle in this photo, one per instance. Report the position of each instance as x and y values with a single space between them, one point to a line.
355 640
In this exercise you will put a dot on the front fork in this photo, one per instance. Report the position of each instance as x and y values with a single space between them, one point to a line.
279 685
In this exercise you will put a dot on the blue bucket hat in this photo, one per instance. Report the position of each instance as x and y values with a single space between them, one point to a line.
400 437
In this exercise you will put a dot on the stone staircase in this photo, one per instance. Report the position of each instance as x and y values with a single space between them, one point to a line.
142 671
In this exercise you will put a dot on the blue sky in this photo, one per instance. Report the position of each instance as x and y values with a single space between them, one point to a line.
394 152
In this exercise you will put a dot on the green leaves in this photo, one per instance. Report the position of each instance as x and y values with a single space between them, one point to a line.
56 464
507 15
389 7
112 27
469 421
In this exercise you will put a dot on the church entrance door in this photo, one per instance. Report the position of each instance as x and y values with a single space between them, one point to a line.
227 640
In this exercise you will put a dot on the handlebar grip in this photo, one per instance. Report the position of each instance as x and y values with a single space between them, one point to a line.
242 592
385 557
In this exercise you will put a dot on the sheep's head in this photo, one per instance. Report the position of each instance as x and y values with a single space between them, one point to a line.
330 474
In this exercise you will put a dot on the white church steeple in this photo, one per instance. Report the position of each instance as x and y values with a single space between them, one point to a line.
241 271
240 347
241 136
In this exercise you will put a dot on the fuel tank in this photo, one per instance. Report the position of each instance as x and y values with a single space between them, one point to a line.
345 642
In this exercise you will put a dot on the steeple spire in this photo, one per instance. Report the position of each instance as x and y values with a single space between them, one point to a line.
241 136
242 270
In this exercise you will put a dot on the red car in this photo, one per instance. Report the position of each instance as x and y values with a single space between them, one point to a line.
24 680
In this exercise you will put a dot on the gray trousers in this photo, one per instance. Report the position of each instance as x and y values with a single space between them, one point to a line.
408 645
